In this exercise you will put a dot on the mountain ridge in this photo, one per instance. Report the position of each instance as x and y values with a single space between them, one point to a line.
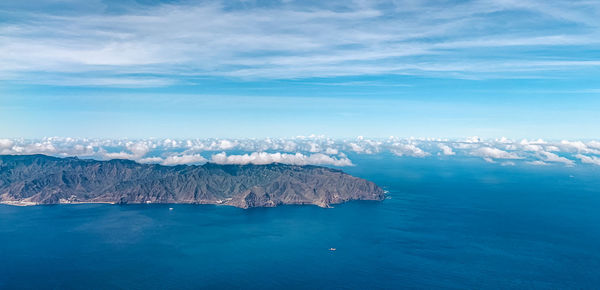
41 179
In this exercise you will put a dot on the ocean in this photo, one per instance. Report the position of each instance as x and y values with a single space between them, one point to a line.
452 224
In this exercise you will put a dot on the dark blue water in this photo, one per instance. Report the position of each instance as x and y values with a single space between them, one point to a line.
447 224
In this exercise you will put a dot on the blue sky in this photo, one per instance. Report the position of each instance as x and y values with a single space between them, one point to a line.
196 69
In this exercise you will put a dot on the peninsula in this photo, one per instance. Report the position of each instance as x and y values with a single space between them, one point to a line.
41 179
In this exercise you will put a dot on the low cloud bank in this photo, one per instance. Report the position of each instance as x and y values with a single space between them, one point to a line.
317 150
259 158
489 154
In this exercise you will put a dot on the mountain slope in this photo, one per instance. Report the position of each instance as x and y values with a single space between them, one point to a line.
40 179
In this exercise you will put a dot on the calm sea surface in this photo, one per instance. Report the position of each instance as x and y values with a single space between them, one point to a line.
446 224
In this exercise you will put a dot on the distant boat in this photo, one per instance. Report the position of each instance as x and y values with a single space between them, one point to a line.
170 208
332 249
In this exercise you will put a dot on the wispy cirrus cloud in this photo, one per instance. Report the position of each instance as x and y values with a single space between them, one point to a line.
116 44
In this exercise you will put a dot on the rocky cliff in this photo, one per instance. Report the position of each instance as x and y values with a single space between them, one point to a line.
40 179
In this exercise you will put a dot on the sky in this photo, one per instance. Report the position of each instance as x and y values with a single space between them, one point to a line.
256 69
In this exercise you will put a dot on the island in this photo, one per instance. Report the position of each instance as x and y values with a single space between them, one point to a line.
40 179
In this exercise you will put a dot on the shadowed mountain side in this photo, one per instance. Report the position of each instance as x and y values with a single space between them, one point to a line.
40 179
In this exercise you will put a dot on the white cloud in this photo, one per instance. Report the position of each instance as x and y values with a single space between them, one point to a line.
594 144
574 145
289 146
6 146
503 140
118 155
356 148
577 146
489 160
6 143
463 145
331 151
534 146
44 147
446 150
151 160
473 139
226 145
495 153
400 149
589 159
184 159
170 143
551 157
259 158
138 148
137 151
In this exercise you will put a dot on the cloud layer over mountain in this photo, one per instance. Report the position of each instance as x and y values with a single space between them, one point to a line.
317 150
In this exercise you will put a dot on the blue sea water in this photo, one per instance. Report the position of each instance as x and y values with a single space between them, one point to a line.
446 224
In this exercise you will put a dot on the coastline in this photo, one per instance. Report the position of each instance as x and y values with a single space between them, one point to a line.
30 203
18 203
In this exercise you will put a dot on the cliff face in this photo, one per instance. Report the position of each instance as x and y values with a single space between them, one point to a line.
39 179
